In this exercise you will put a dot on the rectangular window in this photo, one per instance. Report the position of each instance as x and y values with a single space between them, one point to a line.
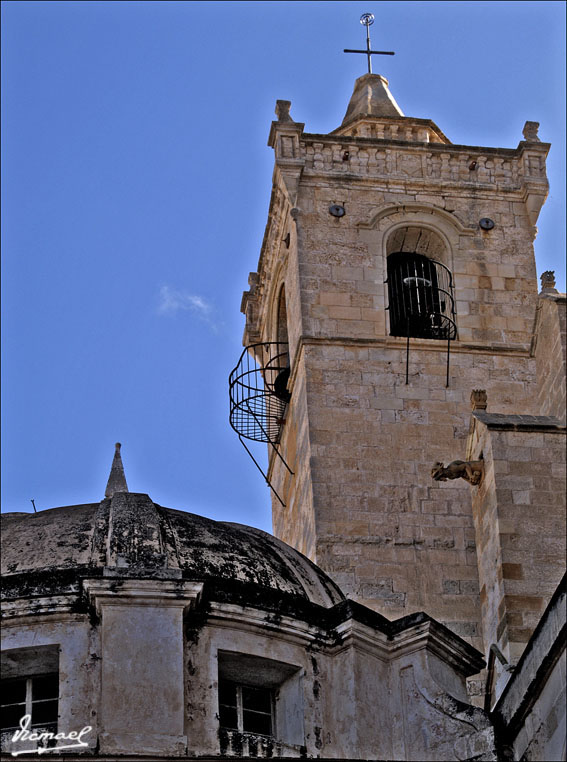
37 696
30 686
246 708
260 706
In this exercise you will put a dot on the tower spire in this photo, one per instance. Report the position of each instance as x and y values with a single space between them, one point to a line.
117 479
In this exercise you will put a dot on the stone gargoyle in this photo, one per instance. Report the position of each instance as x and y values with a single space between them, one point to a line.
471 471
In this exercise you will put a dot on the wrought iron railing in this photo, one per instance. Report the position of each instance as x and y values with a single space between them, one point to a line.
420 300
259 395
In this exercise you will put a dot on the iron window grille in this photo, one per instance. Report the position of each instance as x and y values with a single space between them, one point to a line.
420 300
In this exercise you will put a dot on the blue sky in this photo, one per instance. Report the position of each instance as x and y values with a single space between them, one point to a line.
136 180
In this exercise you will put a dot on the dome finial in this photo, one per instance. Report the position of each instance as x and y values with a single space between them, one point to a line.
117 479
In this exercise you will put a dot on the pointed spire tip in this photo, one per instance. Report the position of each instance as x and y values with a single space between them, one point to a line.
117 478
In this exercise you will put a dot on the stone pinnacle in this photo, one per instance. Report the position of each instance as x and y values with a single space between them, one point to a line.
117 479
371 97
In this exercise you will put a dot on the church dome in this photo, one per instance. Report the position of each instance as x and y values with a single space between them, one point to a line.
128 535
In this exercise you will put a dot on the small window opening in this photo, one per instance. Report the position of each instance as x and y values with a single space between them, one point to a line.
29 686
246 708
36 697
260 706
282 350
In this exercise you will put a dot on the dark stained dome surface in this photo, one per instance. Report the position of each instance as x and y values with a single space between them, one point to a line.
132 533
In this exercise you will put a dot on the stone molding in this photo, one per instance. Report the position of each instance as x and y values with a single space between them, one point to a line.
143 592
426 635
417 213
355 625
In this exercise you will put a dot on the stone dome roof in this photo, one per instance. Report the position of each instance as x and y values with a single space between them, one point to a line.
127 534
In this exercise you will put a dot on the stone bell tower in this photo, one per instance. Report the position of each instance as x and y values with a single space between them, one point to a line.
396 275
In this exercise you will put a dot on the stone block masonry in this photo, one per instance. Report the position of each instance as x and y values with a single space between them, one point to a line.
361 442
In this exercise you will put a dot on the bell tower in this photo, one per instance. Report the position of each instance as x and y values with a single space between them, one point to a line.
396 275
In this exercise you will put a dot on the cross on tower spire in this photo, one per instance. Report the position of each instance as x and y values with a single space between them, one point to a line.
367 19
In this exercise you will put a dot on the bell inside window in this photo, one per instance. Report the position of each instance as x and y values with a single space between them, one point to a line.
420 297
421 303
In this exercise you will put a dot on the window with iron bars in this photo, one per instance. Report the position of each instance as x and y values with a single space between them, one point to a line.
420 297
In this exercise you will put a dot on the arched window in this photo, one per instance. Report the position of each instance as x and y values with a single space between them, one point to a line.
420 297
281 318
282 350
420 288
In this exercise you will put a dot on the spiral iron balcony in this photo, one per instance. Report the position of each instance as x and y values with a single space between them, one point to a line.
258 397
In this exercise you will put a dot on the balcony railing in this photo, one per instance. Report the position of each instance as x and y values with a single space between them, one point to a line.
236 744
421 302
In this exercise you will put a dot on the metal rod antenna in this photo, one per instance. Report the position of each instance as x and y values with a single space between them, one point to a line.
368 48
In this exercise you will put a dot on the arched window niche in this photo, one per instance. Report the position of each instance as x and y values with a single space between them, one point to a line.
277 376
258 386
421 302
281 318
420 285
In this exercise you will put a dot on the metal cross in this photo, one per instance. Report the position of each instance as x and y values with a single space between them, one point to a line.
367 19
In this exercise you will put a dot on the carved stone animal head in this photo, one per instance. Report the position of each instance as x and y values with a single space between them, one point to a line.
437 472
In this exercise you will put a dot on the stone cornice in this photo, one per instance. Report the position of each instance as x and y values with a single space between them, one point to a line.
502 422
142 592
539 147
424 635
52 608
349 624
260 621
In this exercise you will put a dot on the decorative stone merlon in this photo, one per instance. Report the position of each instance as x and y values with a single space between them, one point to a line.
548 282
282 111
530 132
471 471
478 399
285 133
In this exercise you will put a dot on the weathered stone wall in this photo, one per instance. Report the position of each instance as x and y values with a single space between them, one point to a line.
519 514
360 441
550 353
347 696
390 536
530 714
142 645
296 519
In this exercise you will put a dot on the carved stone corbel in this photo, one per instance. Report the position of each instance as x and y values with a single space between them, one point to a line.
471 471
